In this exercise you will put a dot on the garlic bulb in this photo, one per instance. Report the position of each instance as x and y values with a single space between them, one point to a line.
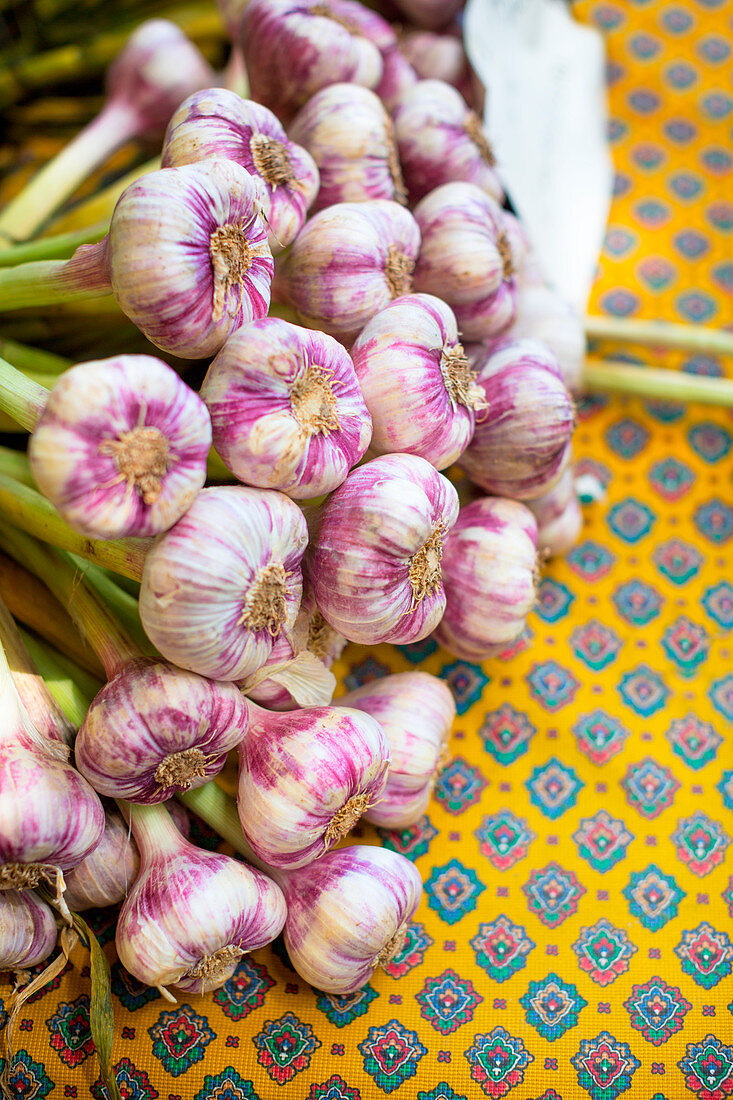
349 134
418 384
522 443
438 57
27 930
286 408
527 268
106 875
397 75
154 729
416 712
490 570
121 446
348 914
374 562
297 672
191 914
348 262
188 255
559 517
441 141
219 123
220 586
466 258
542 314
292 48
305 778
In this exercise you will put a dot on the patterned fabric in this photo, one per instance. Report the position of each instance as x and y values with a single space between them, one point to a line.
575 936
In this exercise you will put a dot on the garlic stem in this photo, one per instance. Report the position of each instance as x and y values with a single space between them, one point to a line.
218 810
58 247
29 510
153 828
33 360
602 376
16 465
20 397
46 282
98 208
661 334
71 686
59 573
23 216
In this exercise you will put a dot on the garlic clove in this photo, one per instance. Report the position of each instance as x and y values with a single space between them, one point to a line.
121 446
466 258
416 712
375 558
347 915
417 382
154 729
305 778
222 584
350 136
188 255
28 930
219 123
286 408
491 576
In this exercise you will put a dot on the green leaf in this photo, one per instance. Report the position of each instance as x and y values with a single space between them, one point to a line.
101 1018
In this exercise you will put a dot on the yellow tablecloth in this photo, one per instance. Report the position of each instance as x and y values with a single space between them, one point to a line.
575 936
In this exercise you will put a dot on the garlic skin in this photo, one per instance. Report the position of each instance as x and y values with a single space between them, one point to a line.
27 930
292 48
297 672
337 288
121 446
416 712
349 134
191 914
220 586
418 384
106 875
219 123
542 314
154 729
441 141
305 778
466 258
374 560
155 70
286 408
347 914
559 516
188 256
490 570
522 443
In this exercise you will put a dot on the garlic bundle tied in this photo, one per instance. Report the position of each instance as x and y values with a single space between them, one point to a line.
416 712
374 561
286 408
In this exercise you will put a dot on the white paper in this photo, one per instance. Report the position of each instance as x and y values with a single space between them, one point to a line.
546 118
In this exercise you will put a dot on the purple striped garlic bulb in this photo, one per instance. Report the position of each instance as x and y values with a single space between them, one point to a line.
559 516
219 123
417 382
286 408
154 729
441 141
292 48
298 671
542 314
438 57
416 712
188 256
191 914
347 914
491 576
522 443
374 561
397 76
221 585
305 779
348 262
28 930
106 875
349 134
466 258
121 446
